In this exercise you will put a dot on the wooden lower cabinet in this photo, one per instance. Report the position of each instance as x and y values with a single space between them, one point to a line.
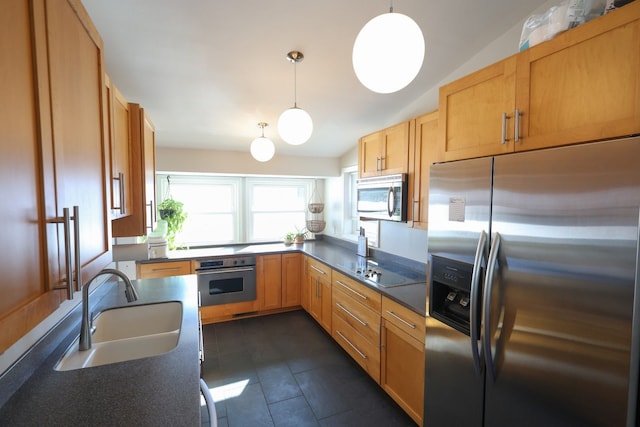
355 325
291 279
402 357
319 289
269 281
155 270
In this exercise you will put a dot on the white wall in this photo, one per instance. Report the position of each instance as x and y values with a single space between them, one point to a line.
241 163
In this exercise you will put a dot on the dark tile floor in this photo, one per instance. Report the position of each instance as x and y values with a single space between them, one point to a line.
285 370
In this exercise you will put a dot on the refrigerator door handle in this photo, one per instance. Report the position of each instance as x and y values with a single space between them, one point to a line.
491 265
473 318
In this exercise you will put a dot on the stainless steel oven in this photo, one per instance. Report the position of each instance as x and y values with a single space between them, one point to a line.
227 280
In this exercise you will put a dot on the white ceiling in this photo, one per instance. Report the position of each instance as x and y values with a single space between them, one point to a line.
208 71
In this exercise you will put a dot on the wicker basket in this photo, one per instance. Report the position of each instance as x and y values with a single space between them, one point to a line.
315 225
316 208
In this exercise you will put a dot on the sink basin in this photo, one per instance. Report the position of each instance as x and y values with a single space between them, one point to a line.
128 333
137 320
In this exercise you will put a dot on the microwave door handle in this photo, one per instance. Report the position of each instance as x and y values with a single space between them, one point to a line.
391 202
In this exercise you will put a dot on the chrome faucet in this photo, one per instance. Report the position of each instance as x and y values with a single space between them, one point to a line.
85 327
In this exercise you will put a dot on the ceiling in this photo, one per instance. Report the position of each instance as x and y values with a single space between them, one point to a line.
208 71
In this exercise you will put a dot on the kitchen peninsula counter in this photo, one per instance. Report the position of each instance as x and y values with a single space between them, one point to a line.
337 256
158 390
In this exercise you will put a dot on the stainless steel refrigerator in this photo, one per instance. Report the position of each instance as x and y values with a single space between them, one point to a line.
532 315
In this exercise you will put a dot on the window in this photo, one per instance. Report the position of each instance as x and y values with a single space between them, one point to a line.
229 209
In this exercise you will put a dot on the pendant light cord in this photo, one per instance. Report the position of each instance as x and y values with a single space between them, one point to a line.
295 84
390 6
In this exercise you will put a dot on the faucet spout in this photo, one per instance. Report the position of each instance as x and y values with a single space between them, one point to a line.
85 327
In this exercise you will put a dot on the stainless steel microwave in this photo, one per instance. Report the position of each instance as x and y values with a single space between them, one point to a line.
383 197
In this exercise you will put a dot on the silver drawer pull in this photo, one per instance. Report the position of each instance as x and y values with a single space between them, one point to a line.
341 307
411 325
364 356
364 297
317 269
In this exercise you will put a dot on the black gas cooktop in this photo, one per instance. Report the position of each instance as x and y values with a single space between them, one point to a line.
373 272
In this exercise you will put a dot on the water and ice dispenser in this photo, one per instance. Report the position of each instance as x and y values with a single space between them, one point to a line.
450 296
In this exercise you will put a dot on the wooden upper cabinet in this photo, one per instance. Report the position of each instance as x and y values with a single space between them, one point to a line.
583 85
423 151
26 299
79 154
120 135
385 152
142 215
54 155
473 112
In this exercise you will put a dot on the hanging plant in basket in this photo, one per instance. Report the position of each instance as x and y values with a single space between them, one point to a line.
173 212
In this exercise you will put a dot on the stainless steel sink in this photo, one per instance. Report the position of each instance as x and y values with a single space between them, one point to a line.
128 333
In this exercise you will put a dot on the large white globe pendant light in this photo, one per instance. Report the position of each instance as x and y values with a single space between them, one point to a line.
262 149
295 125
388 52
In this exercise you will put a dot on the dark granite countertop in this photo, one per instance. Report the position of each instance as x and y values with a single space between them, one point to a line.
159 390
339 256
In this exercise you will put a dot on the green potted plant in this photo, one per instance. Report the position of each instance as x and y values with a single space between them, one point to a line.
300 235
288 238
173 212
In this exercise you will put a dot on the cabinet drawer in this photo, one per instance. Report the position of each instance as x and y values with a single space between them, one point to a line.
364 320
408 321
163 269
362 293
362 351
316 267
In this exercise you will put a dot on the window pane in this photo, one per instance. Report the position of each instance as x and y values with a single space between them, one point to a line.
278 198
202 229
273 226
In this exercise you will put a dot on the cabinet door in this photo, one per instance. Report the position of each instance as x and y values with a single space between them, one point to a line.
142 215
423 151
119 126
26 296
325 302
370 155
395 149
79 131
305 290
269 281
471 112
580 86
402 369
154 270
291 279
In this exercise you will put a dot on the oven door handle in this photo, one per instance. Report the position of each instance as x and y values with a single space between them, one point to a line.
223 270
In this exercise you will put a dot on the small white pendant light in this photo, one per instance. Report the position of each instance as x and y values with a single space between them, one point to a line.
388 52
262 149
295 125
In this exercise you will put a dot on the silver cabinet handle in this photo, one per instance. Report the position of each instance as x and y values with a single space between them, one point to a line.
364 356
341 307
65 220
491 265
411 325
76 231
378 168
475 295
150 206
364 297
318 270
123 208
67 250
516 126
505 117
